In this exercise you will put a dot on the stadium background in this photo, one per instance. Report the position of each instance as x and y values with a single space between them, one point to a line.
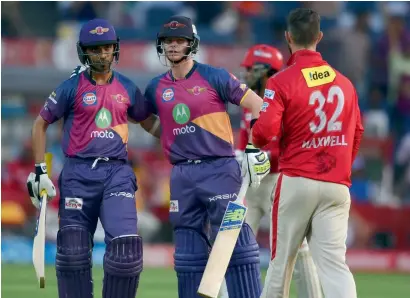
367 41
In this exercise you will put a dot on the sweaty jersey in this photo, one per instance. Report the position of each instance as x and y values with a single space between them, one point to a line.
272 148
194 120
95 116
315 109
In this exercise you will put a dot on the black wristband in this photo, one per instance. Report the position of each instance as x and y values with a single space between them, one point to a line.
253 121
251 149
41 168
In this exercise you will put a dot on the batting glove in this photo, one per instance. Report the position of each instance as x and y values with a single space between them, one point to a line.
39 181
256 162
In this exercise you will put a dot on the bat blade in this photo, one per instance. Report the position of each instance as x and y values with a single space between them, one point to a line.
39 243
40 233
224 245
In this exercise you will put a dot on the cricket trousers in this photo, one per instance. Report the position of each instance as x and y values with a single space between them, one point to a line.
200 192
102 189
320 211
259 201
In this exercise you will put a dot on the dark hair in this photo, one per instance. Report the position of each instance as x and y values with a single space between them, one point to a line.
304 26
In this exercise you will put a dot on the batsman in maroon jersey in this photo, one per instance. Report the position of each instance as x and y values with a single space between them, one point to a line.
191 100
96 181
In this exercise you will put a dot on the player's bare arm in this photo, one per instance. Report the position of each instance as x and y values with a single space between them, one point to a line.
39 139
253 103
152 125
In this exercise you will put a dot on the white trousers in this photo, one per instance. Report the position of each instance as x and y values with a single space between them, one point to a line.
319 211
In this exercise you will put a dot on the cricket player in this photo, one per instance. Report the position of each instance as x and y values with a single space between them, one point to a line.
261 62
314 109
191 100
96 180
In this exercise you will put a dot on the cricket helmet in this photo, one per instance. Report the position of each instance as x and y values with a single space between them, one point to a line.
261 60
263 54
97 32
179 26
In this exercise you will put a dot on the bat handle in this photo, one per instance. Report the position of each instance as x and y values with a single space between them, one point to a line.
43 193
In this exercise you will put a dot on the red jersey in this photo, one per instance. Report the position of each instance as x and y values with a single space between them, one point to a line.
272 148
315 109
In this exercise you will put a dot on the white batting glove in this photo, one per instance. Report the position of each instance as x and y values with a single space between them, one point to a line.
257 163
38 182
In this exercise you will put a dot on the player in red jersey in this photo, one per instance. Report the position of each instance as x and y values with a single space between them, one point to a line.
314 110
261 62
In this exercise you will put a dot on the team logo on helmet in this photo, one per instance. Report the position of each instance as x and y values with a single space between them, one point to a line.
196 90
174 25
89 99
119 98
168 94
99 30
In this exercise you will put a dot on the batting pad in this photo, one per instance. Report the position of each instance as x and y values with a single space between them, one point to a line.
73 262
243 277
123 264
191 255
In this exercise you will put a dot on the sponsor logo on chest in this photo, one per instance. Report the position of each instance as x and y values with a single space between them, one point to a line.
89 98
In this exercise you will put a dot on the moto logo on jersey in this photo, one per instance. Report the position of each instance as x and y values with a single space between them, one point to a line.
103 118
89 99
104 134
181 113
184 130
317 76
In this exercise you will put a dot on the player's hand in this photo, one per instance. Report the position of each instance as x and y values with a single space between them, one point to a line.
239 156
39 181
257 163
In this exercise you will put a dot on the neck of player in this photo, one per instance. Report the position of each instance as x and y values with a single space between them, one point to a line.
101 78
180 70
295 48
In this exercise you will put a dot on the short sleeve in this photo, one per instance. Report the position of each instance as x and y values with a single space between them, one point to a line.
150 96
230 89
57 103
140 108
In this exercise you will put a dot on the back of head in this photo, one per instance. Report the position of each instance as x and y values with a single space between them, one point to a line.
303 24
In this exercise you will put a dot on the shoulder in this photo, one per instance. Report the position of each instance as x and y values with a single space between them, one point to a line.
211 70
343 79
153 83
216 76
124 80
70 84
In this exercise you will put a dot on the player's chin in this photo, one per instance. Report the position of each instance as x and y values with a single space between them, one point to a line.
174 57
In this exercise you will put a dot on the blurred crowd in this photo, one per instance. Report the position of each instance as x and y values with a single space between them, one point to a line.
369 42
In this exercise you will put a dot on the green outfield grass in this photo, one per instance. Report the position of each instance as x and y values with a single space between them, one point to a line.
19 281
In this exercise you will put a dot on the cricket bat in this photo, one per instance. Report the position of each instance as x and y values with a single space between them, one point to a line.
40 234
224 244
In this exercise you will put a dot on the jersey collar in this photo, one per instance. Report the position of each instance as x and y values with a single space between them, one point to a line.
304 55
188 74
90 79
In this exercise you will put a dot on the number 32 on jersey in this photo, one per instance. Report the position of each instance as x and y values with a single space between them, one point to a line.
335 93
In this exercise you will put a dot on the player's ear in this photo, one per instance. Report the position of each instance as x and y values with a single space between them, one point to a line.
288 37
319 37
